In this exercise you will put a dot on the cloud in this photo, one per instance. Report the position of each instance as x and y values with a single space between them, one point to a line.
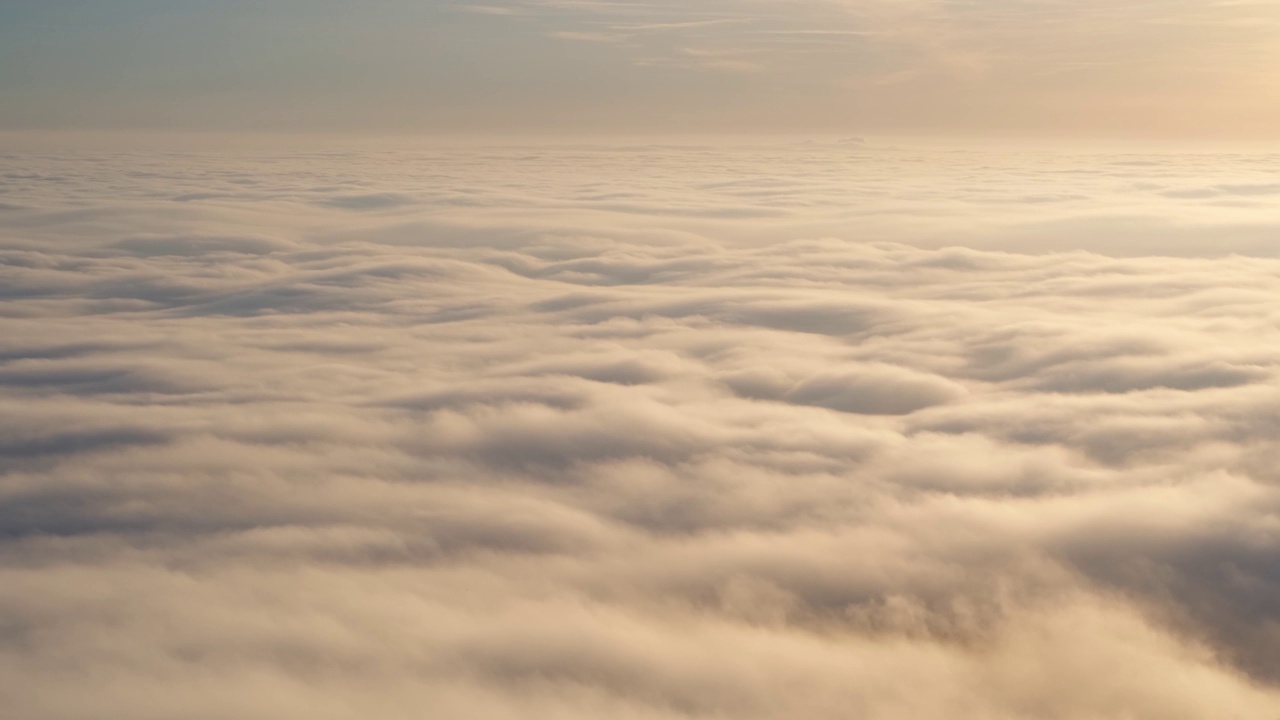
875 390
371 201
927 39
578 432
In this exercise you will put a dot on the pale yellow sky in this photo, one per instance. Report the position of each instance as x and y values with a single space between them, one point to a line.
1172 68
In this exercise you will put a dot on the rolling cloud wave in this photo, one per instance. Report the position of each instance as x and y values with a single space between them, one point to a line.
328 437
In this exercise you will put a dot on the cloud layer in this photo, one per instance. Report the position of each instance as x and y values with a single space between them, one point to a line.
803 432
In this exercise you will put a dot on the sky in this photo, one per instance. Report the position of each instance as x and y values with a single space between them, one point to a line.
1034 68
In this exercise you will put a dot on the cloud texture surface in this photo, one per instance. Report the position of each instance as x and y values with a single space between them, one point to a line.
805 432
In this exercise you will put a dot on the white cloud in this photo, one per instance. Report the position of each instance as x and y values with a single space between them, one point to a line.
773 432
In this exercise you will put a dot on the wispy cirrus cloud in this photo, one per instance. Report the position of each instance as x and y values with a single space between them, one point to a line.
1006 51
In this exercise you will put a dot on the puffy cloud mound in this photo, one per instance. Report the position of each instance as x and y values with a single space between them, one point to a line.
533 433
